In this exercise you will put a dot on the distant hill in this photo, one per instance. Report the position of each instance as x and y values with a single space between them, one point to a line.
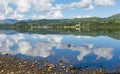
115 17
58 21
8 21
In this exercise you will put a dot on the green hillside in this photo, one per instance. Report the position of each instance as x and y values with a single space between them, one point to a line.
115 17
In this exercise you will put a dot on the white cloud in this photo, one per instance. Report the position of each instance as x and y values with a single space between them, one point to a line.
3 5
50 38
59 7
104 2
49 15
56 38
106 53
23 47
55 15
5 45
38 17
82 3
23 5
42 5
5 9
89 45
2 17
87 4
86 16
90 7
17 37
9 11
84 51
18 16
38 36
78 16
46 7
42 49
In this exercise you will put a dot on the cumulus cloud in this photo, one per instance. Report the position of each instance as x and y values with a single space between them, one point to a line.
59 7
82 3
86 16
23 5
49 15
84 51
42 5
37 5
17 16
41 49
5 9
78 16
44 48
5 45
2 17
9 11
90 7
55 38
17 37
23 47
106 53
48 9
3 5
62 46
104 2
85 4
38 17
55 15
50 38
38 36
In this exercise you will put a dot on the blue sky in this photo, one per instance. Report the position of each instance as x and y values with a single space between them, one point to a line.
57 9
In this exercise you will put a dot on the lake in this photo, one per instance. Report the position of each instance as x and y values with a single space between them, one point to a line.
77 50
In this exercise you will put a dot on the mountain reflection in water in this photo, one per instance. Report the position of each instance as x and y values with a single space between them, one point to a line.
73 49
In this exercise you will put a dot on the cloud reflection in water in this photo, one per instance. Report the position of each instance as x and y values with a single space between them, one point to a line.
104 52
44 48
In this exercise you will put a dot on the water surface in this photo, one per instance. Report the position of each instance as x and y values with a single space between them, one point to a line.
78 50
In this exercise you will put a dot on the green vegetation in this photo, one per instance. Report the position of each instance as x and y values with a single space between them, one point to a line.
115 17
92 26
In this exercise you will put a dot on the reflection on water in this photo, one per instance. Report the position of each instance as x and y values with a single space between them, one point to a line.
70 48
106 53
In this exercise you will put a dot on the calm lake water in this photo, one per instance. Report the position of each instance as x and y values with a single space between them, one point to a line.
72 49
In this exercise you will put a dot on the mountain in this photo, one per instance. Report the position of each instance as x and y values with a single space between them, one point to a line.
8 21
115 17
56 21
